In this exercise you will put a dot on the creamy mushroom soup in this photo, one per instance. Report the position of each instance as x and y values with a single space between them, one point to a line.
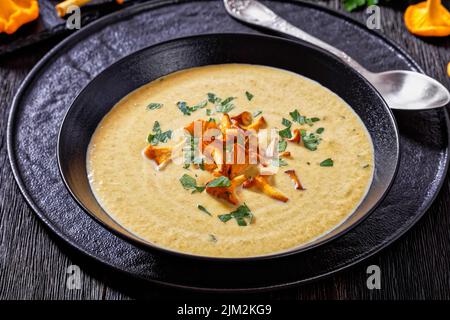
293 187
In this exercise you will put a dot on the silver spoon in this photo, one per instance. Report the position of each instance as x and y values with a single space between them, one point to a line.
406 90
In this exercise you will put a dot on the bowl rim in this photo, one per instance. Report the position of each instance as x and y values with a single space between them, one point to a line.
147 245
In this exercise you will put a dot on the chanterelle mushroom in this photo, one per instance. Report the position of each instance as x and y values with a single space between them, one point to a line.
161 155
262 184
227 193
429 18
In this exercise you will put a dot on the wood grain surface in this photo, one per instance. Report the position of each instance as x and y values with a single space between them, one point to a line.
33 262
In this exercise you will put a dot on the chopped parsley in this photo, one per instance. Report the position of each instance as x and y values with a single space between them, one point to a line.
249 96
320 130
190 151
221 181
224 106
282 145
310 141
190 183
187 110
158 136
327 163
242 214
154 106
213 98
351 5
285 133
257 113
202 208
297 117
285 122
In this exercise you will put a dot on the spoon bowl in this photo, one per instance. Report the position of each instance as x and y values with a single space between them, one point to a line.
408 90
405 90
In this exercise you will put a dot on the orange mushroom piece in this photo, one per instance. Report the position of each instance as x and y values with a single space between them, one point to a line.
241 161
161 155
428 18
16 13
243 119
225 123
258 124
227 193
285 154
204 125
297 137
297 184
262 184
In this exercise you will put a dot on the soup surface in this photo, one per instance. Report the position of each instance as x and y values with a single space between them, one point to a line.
333 162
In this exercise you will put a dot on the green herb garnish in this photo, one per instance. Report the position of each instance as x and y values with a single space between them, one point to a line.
285 122
242 214
282 145
202 208
257 113
285 133
190 151
320 130
310 141
225 109
184 108
190 183
226 105
154 106
221 181
158 136
297 117
187 110
351 5
249 96
213 98
327 163
200 105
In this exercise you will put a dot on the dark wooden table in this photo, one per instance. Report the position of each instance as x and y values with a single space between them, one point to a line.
33 262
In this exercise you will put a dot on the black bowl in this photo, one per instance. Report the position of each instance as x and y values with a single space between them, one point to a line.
141 67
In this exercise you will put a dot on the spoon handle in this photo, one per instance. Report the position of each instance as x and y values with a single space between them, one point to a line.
254 12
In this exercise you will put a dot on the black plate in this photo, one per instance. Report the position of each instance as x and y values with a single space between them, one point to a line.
149 64
48 91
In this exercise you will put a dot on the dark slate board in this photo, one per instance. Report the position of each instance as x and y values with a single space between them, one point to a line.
45 96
